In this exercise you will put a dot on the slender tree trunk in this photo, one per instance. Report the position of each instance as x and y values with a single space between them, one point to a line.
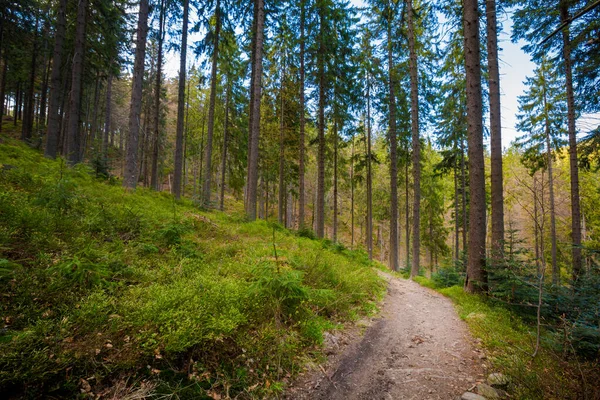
416 143
352 194
555 269
254 137
44 88
497 196
107 118
301 193
456 216
335 180
281 205
157 96
27 128
3 89
251 105
180 105
407 211
463 185
225 143
320 206
74 127
369 175
575 206
186 135
130 178
211 111
476 277
94 121
393 155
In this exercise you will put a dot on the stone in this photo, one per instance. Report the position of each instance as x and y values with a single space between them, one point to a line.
498 380
471 396
487 391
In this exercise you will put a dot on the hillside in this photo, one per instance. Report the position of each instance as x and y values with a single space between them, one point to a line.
111 293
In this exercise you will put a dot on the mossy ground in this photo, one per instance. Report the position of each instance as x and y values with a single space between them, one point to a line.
108 290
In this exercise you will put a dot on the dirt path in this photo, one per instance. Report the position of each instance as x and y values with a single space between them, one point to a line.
417 349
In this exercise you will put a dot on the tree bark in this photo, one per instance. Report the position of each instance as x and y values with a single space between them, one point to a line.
3 89
107 118
555 269
157 95
28 114
178 169
130 173
335 181
93 123
416 143
301 194
575 206
320 206
281 205
254 137
393 154
497 195
225 143
476 278
211 111
369 175
74 127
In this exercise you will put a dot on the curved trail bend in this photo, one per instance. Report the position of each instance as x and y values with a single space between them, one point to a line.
418 348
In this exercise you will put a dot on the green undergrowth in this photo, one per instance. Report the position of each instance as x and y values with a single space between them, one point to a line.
119 293
510 343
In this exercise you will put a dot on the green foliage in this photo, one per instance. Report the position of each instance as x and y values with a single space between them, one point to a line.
509 341
104 282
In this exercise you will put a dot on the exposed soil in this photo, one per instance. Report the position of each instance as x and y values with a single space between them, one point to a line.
418 348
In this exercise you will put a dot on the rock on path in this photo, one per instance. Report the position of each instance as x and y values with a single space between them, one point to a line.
417 349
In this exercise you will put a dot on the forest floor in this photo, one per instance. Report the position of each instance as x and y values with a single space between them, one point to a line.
417 348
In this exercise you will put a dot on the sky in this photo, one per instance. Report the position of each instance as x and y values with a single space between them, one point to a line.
515 66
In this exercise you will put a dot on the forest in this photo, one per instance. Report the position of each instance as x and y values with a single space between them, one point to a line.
195 194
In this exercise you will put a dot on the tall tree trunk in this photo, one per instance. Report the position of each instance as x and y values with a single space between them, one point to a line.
211 111
416 143
335 180
476 278
407 211
107 117
157 95
456 216
463 193
53 130
369 175
352 152
281 205
130 177
393 154
74 127
225 144
254 136
555 269
575 206
44 88
3 89
178 170
301 194
320 206
497 196
27 128
17 106
94 121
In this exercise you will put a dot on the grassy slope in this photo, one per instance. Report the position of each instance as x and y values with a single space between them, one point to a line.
510 343
105 290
